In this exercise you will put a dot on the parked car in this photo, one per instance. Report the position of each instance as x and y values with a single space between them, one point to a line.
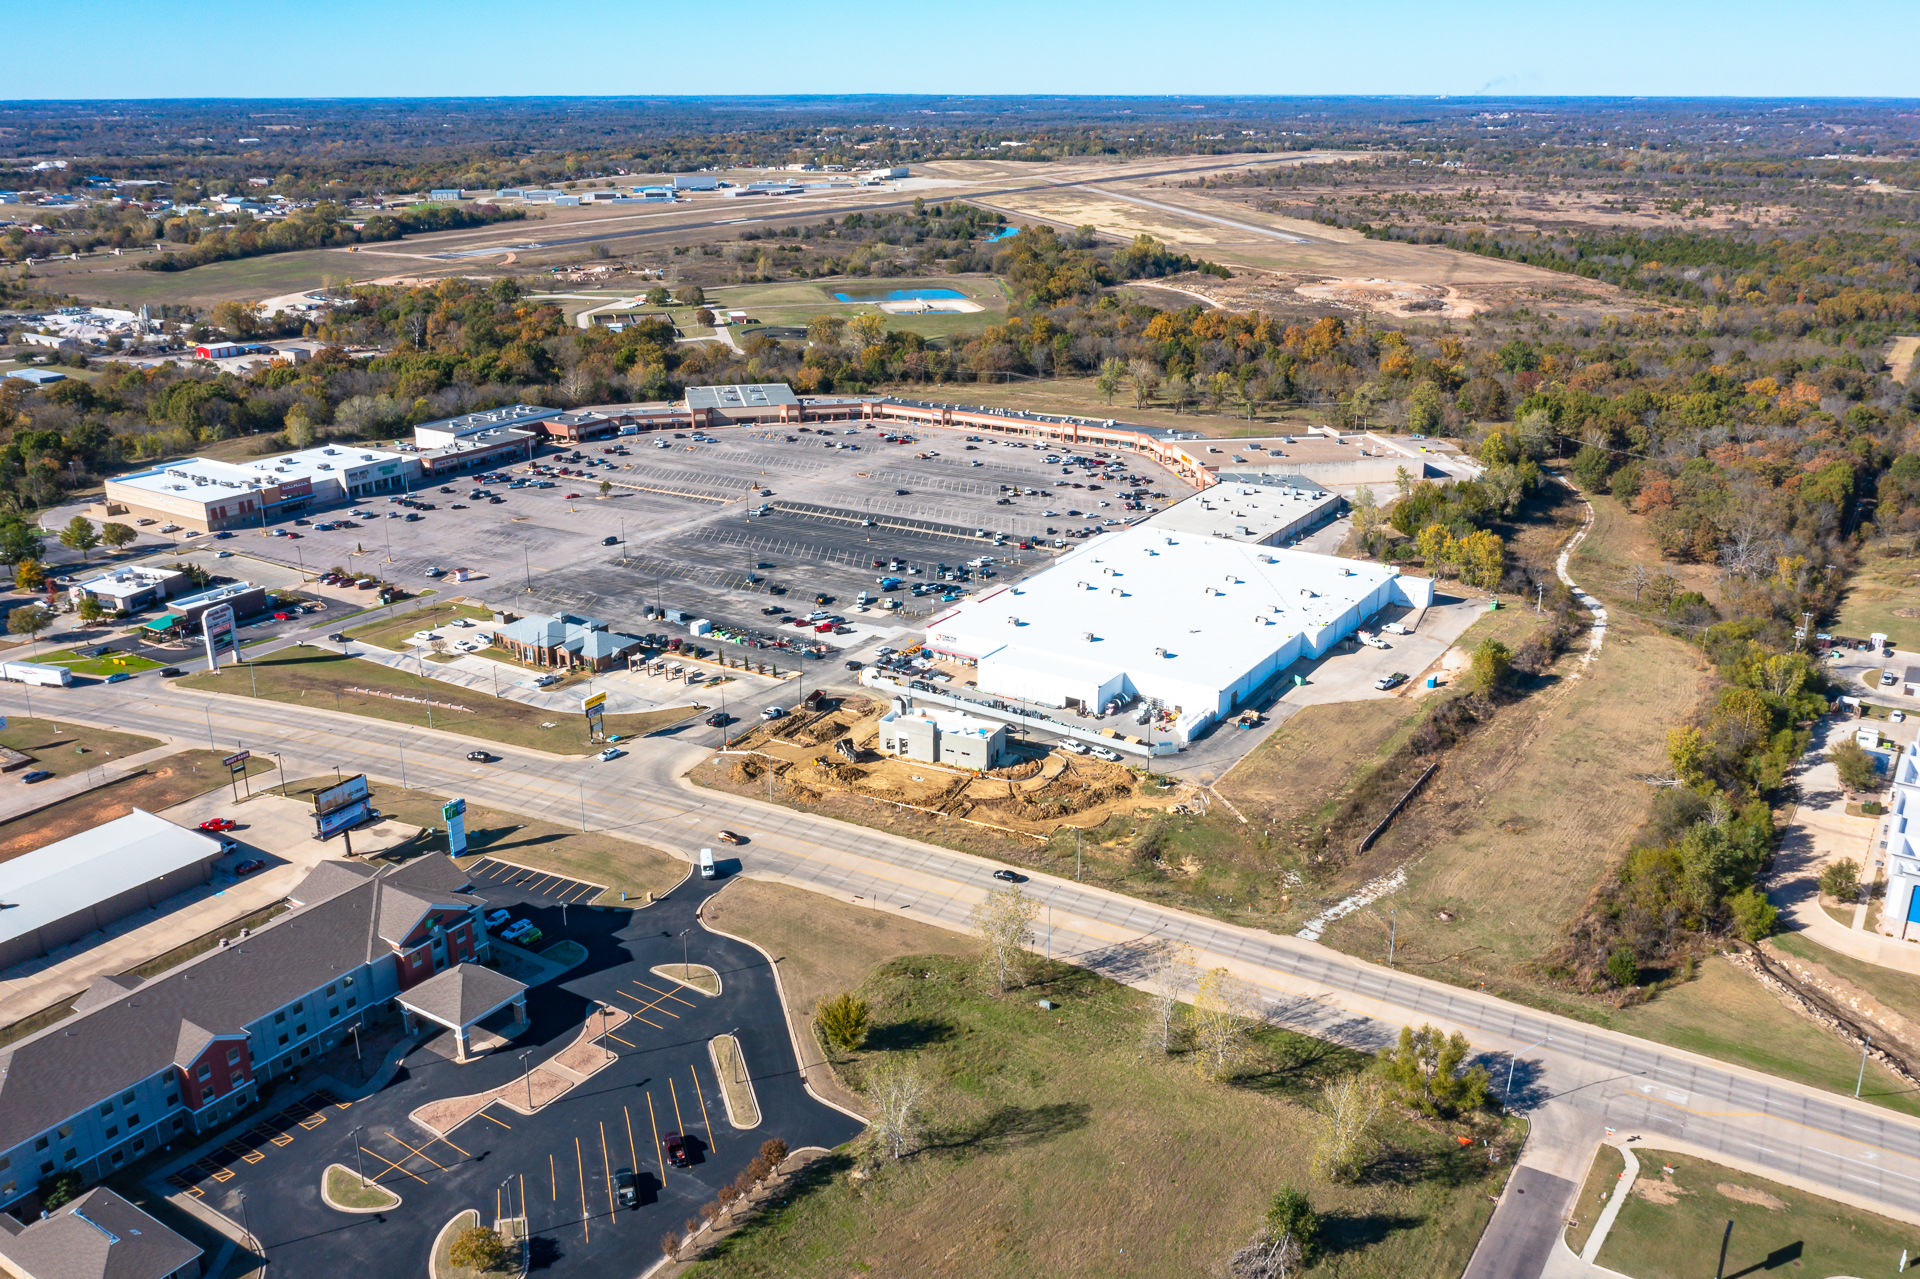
1394 680
1104 752
772 712
1395 628
219 824
1070 746
1888 679
35 775
626 1188
612 752
283 617
248 867
521 931
609 540
496 918
676 1147
719 719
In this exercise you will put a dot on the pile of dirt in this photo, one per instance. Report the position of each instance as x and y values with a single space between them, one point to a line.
749 768
833 772
1067 796
1017 772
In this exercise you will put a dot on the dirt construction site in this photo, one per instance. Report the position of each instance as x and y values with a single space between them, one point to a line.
832 752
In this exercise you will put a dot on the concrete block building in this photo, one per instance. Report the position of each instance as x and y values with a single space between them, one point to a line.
130 589
54 896
941 736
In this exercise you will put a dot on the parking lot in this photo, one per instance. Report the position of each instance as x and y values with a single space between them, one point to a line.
554 1157
684 537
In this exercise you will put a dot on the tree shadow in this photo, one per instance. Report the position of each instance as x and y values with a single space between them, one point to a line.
911 1033
542 1252
1007 1126
816 1176
1451 1166
1342 1232
1295 1065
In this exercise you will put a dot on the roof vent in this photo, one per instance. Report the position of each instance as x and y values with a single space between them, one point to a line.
1117 591
1087 636
1013 621
1159 652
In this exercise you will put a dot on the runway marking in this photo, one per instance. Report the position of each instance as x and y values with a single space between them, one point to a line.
423 1154
658 1153
580 1167
392 1166
704 1117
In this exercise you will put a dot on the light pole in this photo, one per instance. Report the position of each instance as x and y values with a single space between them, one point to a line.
686 969
403 765
1864 1050
251 1241
738 1076
1506 1098
283 770
207 710
353 1135
528 1071
583 805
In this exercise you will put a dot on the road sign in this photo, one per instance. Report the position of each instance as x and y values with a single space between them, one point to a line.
594 703
596 710
216 625
236 760
454 813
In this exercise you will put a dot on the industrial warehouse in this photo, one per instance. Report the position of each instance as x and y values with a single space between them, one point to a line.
1192 622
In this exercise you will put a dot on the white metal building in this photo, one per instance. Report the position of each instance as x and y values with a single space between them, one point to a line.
204 494
1196 622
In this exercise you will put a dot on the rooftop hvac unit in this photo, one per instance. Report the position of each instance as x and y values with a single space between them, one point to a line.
1083 586
1107 571
1013 621
1117 591
1159 652
1087 636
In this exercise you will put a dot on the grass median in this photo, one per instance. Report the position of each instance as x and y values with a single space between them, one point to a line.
392 631
63 749
99 667
329 681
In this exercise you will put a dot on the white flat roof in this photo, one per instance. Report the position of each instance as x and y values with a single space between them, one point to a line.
326 462
1216 607
1249 512
51 883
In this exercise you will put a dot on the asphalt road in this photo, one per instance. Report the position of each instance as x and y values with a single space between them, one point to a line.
661 1080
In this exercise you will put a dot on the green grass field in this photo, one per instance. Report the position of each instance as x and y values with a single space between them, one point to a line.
1884 597
1053 1146
62 749
618 865
392 632
312 677
1673 1227
100 666
121 281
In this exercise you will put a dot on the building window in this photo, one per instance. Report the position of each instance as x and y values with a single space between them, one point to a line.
139 1144
173 1098
205 1072
301 1029
280 1018
283 1041
330 989
119 1157
8 1188
178 1123
6 1162
233 1056
352 1000
66 1130
113 1130
300 1007
47 1168
333 1012
40 1144
71 1155
347 981
133 1121
126 1099
306 1051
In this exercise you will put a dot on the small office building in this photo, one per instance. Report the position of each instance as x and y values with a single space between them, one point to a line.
130 589
941 736
564 640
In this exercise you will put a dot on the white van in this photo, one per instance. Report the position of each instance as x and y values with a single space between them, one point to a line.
706 863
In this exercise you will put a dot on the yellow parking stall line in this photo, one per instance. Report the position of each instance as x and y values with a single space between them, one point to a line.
668 993
284 1139
445 1142
503 1123
314 1122
253 1156
678 1122
423 1154
654 1004
701 1094
554 1177
580 1167
610 1035
636 1016
586 890
225 1174
544 882
392 1166
658 1153
632 1150
606 1167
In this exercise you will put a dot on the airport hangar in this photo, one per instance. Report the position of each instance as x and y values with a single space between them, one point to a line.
1195 622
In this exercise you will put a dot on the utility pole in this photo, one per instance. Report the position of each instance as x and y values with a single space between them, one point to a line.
528 1071
1864 1050
353 1135
1393 933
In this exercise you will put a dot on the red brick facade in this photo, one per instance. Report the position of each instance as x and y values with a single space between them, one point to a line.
222 1076
414 958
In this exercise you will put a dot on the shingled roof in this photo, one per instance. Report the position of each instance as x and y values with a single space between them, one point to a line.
114 1041
97 1236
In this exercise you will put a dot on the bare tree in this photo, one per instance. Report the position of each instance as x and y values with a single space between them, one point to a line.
1169 972
898 1092
1225 1009
1004 921
1639 577
1343 1130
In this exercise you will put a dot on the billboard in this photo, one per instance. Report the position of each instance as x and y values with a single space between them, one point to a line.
216 625
595 708
340 794
329 824
454 813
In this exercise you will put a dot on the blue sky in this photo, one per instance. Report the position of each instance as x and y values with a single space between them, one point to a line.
489 47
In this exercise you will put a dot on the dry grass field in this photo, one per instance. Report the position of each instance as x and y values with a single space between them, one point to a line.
1054 1147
